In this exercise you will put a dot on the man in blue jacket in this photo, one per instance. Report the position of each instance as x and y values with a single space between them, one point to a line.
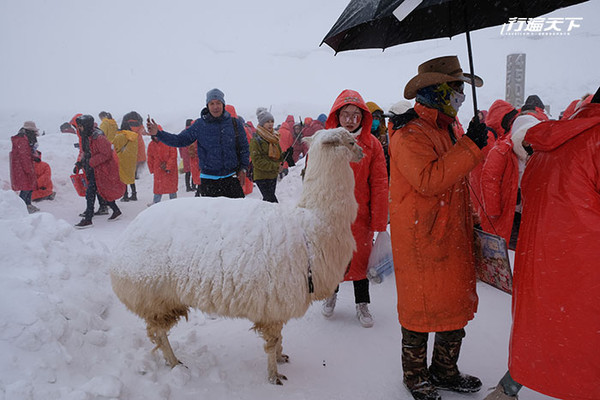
223 152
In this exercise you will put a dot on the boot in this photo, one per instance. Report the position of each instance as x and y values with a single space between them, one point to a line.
444 369
125 196
416 375
133 193
188 187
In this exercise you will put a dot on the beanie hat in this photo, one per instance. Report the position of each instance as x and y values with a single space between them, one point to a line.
215 94
263 116
322 118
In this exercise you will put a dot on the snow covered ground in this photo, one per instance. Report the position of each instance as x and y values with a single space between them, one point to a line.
63 333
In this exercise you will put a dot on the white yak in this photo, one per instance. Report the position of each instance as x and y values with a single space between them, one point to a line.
243 258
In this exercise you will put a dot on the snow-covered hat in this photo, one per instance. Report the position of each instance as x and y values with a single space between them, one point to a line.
30 126
400 107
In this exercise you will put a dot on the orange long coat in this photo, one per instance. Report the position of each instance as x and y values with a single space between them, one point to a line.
432 225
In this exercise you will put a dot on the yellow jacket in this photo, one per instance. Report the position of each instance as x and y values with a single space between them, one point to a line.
126 146
110 128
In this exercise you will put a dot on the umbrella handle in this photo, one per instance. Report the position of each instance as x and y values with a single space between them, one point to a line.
470 52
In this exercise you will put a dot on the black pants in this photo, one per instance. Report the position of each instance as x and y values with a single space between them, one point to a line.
26 196
90 196
514 233
361 291
225 187
267 189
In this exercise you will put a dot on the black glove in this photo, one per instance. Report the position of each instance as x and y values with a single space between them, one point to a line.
477 132
77 167
288 156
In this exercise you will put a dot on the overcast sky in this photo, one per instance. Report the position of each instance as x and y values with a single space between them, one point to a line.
66 56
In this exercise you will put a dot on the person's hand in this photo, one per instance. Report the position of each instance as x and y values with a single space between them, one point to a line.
152 127
477 132
242 177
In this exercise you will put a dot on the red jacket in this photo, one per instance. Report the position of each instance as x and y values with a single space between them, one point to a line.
311 128
499 188
555 340
44 180
371 185
162 163
22 171
105 163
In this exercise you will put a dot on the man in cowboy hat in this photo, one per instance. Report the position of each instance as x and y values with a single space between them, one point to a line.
432 227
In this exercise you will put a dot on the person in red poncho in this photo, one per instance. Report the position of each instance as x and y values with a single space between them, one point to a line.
555 337
371 191
502 171
162 163
22 157
101 166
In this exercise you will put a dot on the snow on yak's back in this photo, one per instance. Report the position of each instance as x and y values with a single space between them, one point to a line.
242 258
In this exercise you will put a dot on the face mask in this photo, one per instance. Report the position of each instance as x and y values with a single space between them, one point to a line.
456 100
375 125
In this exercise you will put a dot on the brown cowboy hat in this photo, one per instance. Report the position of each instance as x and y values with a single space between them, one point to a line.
438 70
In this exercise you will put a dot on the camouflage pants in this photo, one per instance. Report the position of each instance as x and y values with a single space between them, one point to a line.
414 355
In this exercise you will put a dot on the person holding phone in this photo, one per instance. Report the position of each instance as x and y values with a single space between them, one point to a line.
223 153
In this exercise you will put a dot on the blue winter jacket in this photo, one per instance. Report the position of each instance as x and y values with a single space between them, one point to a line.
217 152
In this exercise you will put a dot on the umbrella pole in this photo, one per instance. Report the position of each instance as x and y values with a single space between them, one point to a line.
470 52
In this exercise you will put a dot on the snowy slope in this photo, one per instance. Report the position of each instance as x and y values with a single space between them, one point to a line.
65 335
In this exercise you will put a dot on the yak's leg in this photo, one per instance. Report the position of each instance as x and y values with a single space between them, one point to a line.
158 336
271 333
281 358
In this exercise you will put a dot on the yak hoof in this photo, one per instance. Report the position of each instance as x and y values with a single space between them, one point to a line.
276 380
173 365
283 358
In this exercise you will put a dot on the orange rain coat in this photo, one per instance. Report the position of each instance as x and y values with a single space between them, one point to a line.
555 340
162 163
432 225
371 187
44 180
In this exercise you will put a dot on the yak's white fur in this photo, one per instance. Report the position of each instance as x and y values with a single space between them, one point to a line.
159 273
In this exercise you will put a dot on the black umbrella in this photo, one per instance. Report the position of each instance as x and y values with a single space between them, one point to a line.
379 24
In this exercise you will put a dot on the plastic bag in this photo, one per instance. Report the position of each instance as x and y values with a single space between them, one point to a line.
381 263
